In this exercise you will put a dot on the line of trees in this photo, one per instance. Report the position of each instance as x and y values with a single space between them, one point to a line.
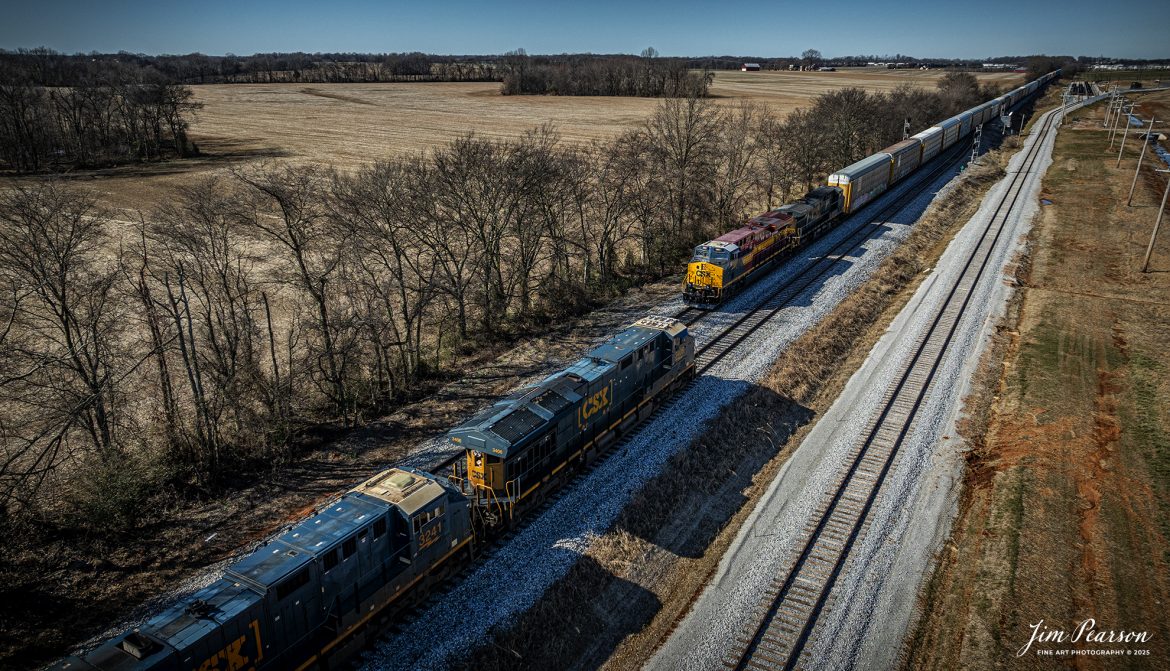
196 343
47 67
586 75
95 122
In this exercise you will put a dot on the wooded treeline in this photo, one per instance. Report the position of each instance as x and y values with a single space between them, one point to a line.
197 343
106 117
46 67
586 75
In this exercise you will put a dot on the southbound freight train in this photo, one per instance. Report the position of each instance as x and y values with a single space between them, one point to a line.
305 598
722 267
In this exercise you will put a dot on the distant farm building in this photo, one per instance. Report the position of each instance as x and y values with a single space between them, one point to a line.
750 67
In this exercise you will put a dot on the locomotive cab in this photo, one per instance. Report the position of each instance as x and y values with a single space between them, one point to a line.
704 282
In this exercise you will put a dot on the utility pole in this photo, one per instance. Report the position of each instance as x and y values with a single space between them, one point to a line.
1146 143
1108 110
1157 224
1123 136
1121 112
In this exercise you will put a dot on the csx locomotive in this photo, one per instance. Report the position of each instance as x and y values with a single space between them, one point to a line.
304 599
516 448
724 266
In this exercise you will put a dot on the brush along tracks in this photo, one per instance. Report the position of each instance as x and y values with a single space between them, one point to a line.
788 613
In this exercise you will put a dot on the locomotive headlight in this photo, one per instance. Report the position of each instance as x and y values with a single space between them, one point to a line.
478 459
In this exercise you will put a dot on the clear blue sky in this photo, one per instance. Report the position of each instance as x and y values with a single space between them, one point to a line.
1134 29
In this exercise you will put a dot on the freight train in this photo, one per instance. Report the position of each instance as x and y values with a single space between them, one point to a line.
306 597
721 268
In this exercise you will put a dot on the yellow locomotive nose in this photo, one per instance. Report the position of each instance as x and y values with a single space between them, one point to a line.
702 275
703 285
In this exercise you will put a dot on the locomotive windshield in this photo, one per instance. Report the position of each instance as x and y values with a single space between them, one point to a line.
710 254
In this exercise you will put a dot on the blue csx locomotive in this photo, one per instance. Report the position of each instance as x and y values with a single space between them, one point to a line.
304 598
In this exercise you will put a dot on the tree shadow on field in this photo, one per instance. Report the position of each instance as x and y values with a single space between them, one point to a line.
213 153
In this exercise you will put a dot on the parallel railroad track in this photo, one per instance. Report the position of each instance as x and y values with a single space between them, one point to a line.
781 626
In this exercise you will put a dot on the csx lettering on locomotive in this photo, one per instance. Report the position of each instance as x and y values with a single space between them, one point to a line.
593 405
237 655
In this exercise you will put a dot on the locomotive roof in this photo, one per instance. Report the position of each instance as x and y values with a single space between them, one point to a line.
861 167
181 626
408 489
510 421
773 217
722 242
732 238
305 540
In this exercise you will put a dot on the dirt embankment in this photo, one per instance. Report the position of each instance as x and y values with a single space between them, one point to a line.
623 599
1066 507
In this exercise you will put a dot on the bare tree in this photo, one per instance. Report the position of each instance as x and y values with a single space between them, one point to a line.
63 327
378 208
810 57
204 281
292 216
848 124
737 151
682 137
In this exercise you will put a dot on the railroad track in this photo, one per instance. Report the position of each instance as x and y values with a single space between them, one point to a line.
781 626
714 350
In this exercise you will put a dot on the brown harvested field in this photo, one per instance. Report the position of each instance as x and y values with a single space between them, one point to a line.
348 125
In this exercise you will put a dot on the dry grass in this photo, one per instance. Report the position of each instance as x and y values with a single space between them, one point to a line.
642 576
1066 508
349 125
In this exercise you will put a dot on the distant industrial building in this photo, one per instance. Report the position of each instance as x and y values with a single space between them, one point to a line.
750 67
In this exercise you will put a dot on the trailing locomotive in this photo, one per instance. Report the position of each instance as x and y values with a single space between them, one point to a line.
722 267
303 599
515 449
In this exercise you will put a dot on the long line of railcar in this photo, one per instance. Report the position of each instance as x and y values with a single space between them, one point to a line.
722 267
